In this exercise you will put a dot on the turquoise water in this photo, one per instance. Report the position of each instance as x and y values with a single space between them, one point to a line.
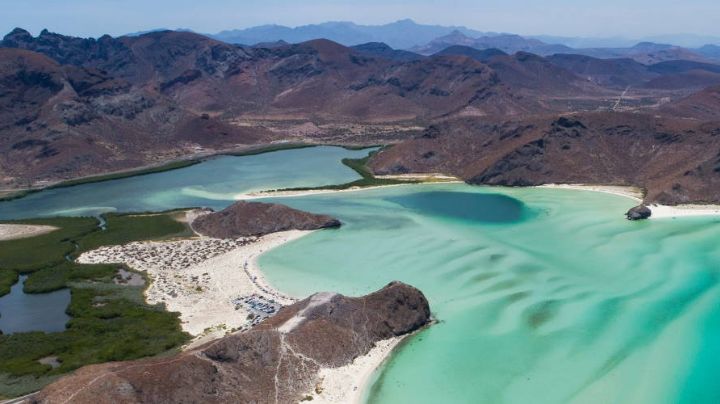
542 296
24 312
213 183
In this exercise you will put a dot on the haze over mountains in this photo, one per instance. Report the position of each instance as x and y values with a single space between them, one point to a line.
422 38
74 106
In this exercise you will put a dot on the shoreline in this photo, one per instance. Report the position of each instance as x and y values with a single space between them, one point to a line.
631 192
658 211
349 384
690 210
309 192
9 194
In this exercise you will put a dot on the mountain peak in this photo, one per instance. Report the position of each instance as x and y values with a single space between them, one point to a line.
17 34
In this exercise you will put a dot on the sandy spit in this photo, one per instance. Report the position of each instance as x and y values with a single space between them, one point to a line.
429 177
17 231
289 194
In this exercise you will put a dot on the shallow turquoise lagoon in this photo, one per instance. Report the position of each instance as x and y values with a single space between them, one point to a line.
542 296
213 183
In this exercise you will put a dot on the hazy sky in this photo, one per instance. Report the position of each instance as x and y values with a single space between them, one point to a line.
628 18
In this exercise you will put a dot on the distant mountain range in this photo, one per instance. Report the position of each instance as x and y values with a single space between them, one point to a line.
643 52
431 39
401 34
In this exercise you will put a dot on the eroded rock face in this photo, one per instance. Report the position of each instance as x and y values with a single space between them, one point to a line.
275 362
638 213
243 219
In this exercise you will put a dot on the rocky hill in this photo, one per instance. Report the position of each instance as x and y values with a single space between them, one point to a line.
674 160
619 73
243 219
703 105
276 361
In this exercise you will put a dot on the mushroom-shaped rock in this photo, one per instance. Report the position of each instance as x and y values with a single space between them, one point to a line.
639 212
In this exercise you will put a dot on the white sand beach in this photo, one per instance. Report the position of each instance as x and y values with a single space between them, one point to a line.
17 231
665 212
348 384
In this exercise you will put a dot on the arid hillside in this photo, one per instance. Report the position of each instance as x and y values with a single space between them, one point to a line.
674 160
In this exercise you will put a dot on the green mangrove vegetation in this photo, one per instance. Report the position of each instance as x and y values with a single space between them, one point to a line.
109 321
367 180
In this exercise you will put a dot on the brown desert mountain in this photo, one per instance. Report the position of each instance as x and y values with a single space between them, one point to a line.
276 361
674 160
64 121
74 107
89 106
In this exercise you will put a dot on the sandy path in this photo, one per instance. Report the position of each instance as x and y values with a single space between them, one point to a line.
16 231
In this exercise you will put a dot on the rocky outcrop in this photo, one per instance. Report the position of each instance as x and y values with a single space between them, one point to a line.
275 362
244 219
639 212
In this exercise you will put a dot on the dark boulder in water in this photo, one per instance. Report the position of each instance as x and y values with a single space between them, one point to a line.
639 212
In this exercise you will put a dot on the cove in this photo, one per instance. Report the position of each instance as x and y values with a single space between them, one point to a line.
213 183
25 312
563 301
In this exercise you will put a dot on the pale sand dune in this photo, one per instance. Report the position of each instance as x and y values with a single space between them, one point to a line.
17 231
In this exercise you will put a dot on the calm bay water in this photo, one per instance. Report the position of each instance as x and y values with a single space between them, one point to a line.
213 183
543 296
23 312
